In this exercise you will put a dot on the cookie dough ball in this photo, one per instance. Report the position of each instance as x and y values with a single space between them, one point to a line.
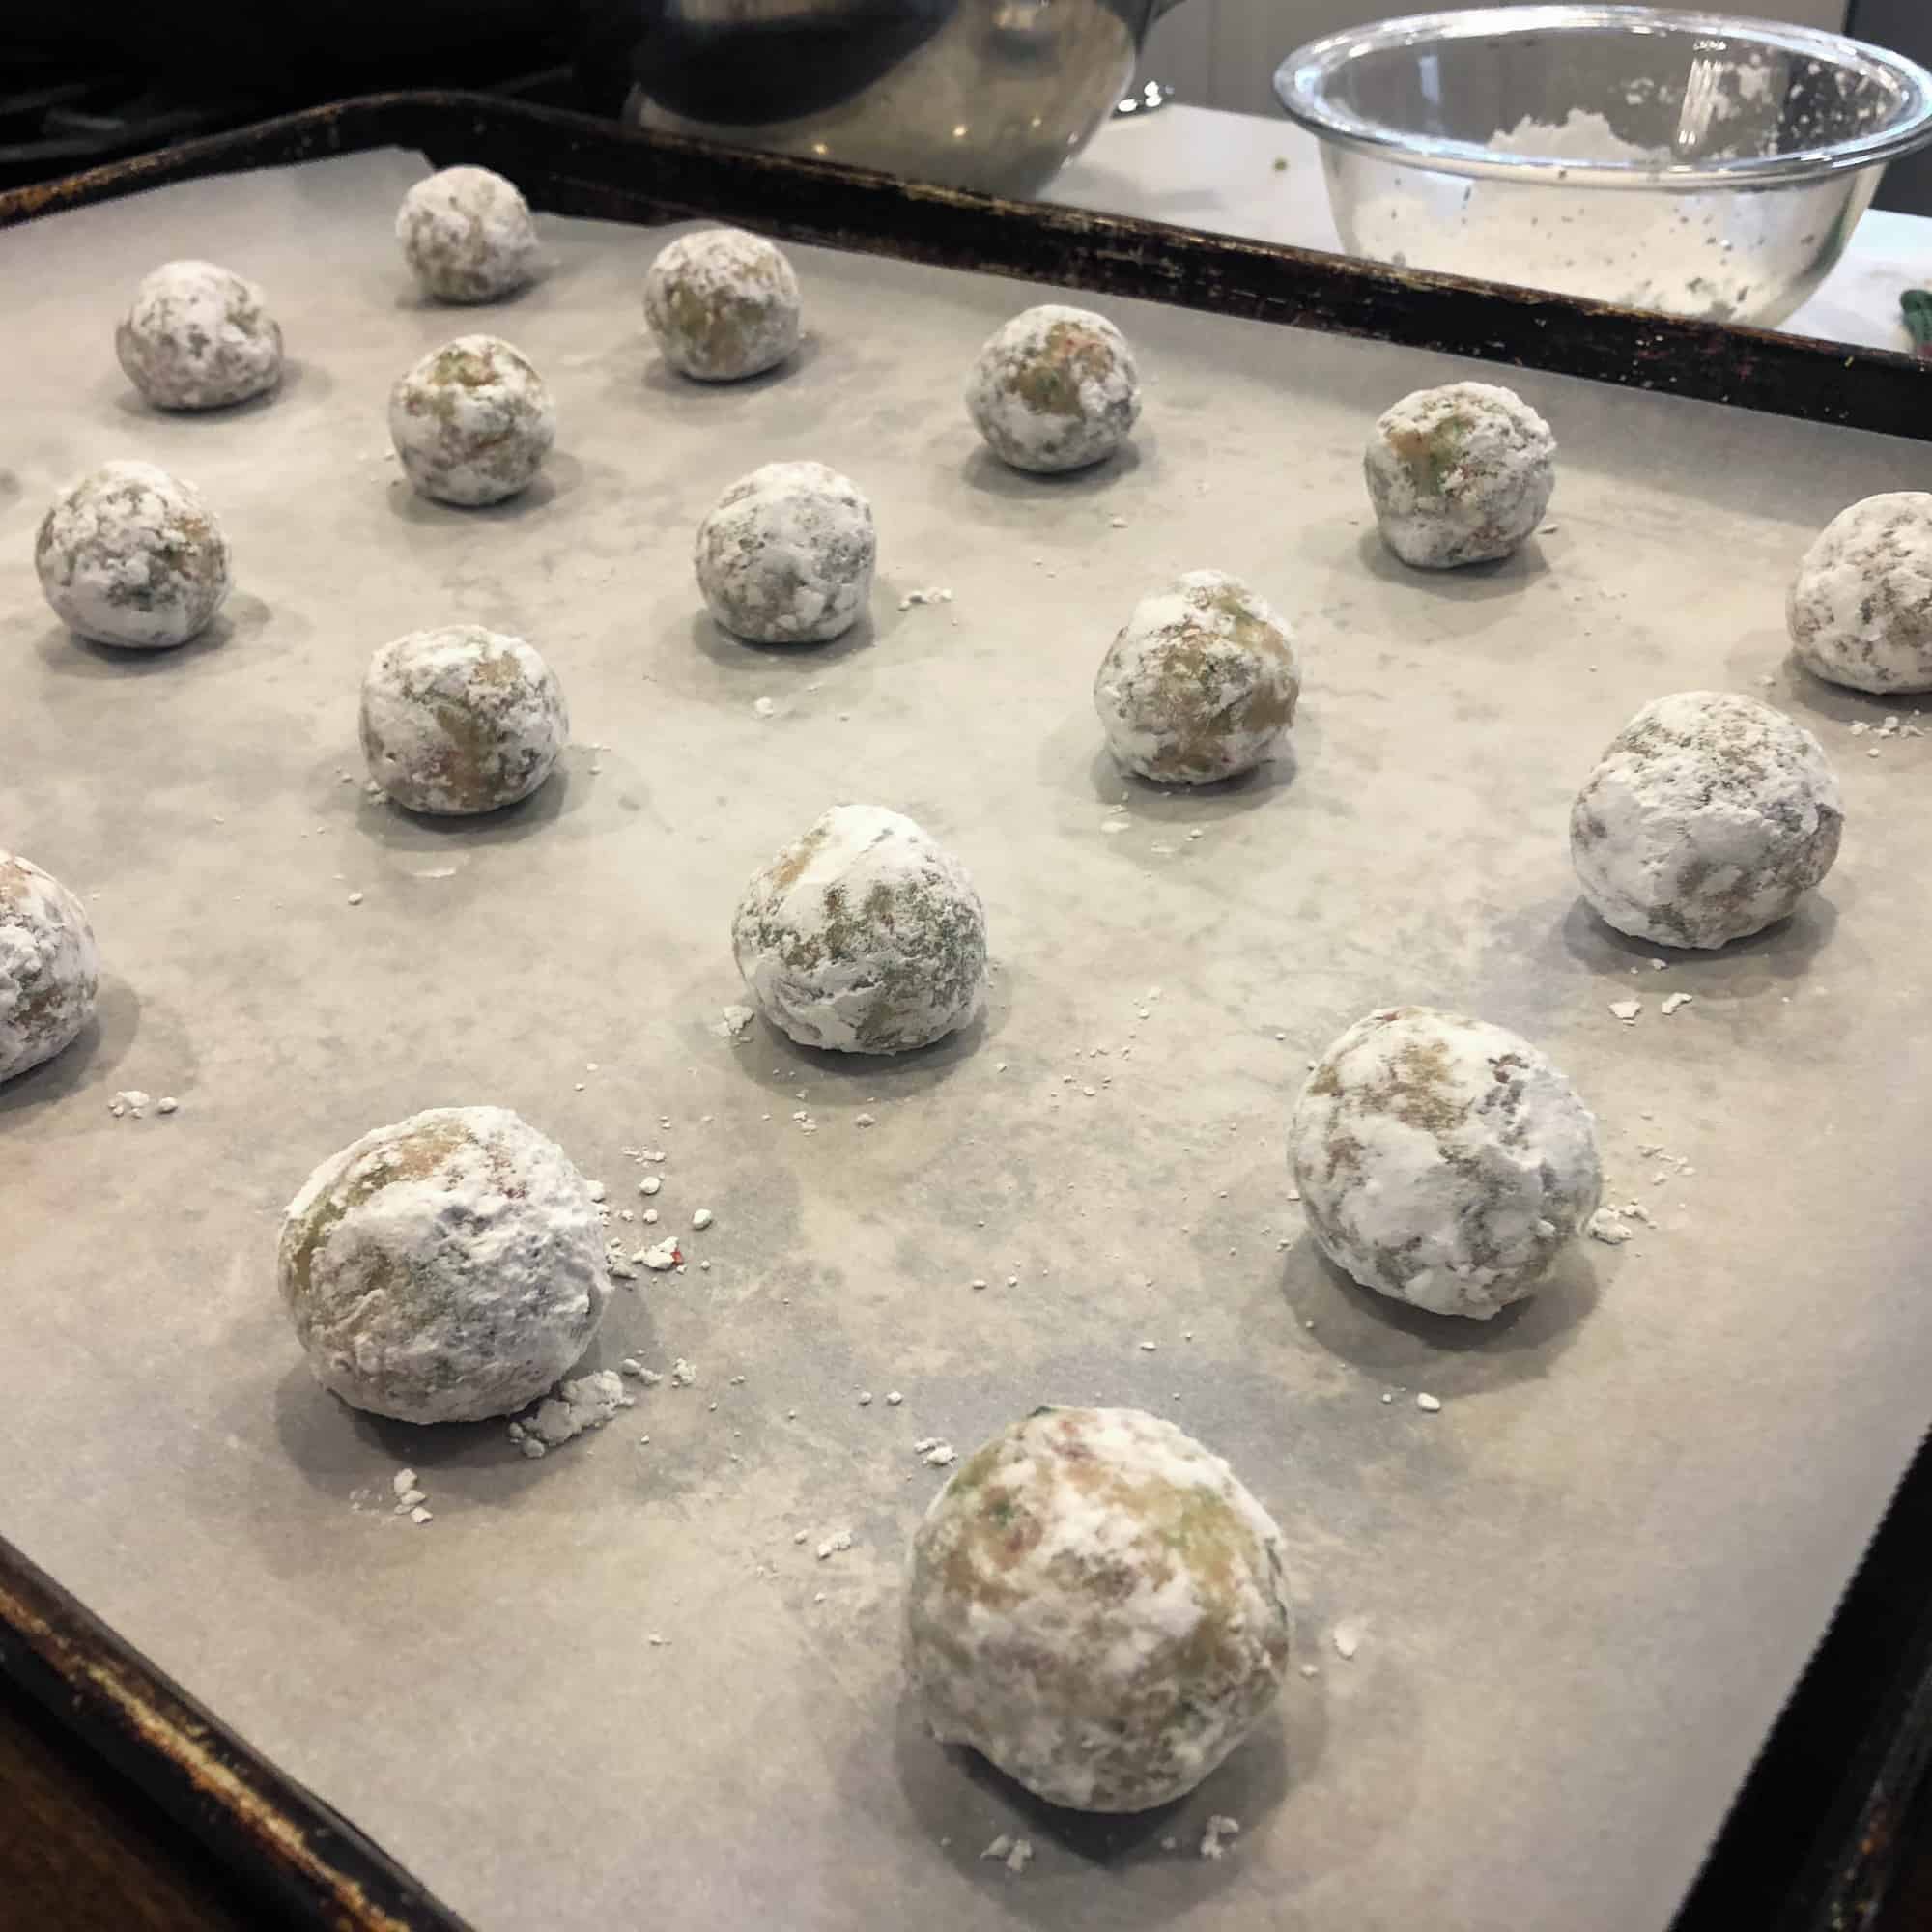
722 304
786 556
1710 816
864 936
1860 610
473 421
1096 1604
1055 388
461 720
199 337
468 235
1460 474
1201 684
446 1268
130 555
1442 1161
49 971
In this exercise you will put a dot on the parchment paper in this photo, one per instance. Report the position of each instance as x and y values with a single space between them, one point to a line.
1582 1589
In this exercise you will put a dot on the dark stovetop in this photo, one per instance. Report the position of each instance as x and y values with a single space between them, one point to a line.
68 104
55 124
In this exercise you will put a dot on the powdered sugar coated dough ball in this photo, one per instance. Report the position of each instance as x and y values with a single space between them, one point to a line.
461 720
1054 388
473 421
1709 817
468 235
49 970
1095 1603
199 337
722 304
1200 684
1442 1161
865 936
1460 474
1860 610
786 556
446 1268
130 555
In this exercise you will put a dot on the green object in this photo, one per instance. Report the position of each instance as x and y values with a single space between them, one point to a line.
1917 306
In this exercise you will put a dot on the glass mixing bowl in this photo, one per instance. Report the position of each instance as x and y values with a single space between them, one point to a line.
1687 162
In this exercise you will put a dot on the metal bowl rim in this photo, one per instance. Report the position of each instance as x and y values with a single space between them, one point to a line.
1301 86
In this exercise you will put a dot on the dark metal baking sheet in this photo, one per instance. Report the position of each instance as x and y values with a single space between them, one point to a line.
1579 1567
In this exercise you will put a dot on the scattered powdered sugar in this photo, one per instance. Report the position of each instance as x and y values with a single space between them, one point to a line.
1220 1832
588 1402
1609 1226
1015 1854
410 1497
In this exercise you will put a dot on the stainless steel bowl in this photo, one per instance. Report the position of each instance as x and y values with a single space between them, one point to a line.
1688 163
998 94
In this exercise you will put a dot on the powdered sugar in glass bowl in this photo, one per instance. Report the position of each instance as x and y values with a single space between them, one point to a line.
1657 159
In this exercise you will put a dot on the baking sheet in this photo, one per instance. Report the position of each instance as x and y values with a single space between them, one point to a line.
1582 1589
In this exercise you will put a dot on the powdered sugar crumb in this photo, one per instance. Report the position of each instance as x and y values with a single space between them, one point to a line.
573 1407
1220 1830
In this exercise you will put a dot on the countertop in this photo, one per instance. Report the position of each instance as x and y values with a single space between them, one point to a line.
1202 168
